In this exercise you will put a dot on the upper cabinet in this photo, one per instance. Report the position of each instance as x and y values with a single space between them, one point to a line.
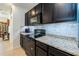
47 12
38 9
44 13
32 12
34 16
64 12
27 18
58 12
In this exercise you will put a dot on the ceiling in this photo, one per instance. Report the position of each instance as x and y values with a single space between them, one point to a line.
27 6
5 7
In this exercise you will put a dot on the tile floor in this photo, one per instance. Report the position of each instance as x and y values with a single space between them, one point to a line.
6 51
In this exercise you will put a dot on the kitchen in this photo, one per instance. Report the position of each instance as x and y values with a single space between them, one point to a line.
51 29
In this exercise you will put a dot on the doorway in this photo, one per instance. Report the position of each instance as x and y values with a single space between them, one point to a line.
5 16
4 27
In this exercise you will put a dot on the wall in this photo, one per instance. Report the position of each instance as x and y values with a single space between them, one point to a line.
69 29
18 21
63 29
78 22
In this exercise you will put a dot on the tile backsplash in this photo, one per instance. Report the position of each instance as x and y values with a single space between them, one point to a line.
63 29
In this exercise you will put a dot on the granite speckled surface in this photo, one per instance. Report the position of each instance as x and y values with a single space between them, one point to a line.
64 44
23 33
67 44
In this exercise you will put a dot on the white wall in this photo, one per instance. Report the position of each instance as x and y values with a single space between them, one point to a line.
63 29
78 22
69 29
18 21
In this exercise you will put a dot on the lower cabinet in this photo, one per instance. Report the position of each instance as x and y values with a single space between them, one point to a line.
56 52
40 52
30 51
33 47
46 50
28 44
21 40
51 54
41 45
30 47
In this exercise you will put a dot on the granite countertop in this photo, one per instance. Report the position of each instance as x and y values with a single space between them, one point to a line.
29 34
66 45
63 43
23 33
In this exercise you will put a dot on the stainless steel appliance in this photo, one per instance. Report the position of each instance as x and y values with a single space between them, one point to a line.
39 32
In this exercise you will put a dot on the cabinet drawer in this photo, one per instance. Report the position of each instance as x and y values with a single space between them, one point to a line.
57 52
41 45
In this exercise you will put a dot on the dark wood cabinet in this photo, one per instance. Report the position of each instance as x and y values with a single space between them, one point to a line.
39 9
27 19
34 16
41 45
47 12
32 12
30 47
28 44
46 50
56 52
33 47
21 40
40 52
36 10
64 12
41 49
58 12
52 13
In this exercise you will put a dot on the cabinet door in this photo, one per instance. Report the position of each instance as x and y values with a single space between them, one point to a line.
25 42
29 46
32 48
32 12
41 45
56 52
40 52
64 11
47 12
26 19
38 9
21 40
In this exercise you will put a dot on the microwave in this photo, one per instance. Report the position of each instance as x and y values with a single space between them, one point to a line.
37 19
